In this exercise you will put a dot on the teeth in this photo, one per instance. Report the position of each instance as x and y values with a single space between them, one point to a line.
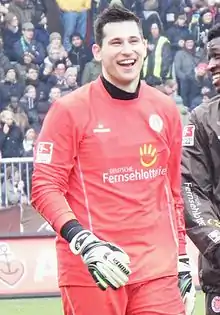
216 76
127 62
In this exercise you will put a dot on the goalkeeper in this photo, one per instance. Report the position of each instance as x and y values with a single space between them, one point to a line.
107 179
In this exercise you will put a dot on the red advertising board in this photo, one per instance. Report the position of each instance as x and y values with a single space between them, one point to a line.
28 266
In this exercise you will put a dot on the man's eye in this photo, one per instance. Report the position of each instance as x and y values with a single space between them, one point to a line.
134 40
116 43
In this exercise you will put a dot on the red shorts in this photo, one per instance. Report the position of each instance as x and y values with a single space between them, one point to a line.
156 297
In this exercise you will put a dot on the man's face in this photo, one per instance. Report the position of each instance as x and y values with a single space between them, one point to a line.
71 79
76 41
56 42
8 119
122 53
14 21
28 34
54 54
189 44
60 70
213 49
32 74
14 102
31 93
181 21
207 18
155 30
27 59
11 75
55 93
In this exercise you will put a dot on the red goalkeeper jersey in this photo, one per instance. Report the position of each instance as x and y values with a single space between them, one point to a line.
115 164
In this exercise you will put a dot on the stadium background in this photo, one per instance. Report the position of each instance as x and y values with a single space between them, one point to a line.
45 52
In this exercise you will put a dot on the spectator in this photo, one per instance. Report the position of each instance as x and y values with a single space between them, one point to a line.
20 118
55 41
32 78
91 71
11 34
10 86
4 62
28 103
22 67
12 187
23 9
55 53
79 53
44 106
41 34
27 43
177 33
74 19
185 62
28 142
71 81
200 29
157 65
10 136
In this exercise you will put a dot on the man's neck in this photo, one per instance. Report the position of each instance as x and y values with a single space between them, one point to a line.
130 87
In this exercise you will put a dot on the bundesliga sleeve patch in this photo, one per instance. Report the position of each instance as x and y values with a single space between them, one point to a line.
188 136
44 152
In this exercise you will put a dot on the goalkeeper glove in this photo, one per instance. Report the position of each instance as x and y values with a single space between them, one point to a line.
186 285
106 262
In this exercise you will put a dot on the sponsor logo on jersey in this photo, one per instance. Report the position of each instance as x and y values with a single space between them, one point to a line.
101 129
214 236
148 158
156 123
44 152
188 136
148 155
215 304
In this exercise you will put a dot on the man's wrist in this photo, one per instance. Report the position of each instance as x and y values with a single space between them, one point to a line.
70 229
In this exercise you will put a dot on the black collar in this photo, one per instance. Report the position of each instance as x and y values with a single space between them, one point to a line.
118 93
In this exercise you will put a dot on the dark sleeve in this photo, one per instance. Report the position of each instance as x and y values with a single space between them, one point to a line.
166 61
39 54
2 139
197 188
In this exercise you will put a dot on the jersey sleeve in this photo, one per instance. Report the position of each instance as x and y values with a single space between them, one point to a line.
197 189
174 172
54 158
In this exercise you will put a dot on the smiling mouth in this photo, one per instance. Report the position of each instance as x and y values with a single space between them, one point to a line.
127 63
216 78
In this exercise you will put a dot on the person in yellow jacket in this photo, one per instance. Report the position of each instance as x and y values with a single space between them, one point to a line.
74 18
158 63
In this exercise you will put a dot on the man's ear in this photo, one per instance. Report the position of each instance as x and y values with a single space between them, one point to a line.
96 50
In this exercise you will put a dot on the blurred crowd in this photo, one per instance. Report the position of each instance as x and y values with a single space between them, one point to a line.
37 66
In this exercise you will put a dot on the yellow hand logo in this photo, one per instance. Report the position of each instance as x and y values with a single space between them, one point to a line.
148 155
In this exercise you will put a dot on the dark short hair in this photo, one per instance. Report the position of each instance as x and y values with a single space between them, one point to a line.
113 14
214 32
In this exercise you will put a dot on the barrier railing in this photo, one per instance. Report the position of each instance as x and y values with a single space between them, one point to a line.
17 216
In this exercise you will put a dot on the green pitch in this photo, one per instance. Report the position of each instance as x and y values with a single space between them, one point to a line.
52 306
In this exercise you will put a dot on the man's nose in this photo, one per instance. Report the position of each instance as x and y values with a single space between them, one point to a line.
211 64
127 48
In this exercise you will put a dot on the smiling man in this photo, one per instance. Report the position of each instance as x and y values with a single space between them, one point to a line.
201 181
107 171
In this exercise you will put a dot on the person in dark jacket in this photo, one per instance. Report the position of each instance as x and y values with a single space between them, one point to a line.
11 136
10 86
11 33
41 34
28 43
201 181
177 33
79 54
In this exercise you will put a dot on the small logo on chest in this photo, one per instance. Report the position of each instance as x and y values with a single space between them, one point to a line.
101 129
